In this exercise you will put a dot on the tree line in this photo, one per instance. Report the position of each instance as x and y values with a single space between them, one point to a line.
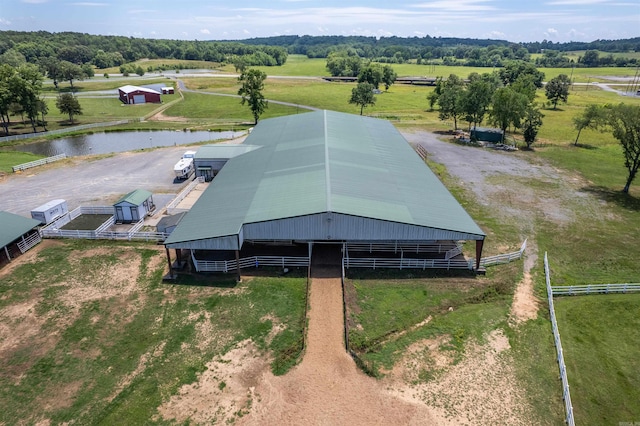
18 47
455 51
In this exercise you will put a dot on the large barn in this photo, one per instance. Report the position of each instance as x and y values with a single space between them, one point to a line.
138 95
325 177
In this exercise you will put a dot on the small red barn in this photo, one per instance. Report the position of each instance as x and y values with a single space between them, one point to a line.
138 95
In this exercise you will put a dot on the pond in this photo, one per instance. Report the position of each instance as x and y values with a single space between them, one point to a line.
105 143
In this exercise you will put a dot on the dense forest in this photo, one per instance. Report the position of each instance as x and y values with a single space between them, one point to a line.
43 48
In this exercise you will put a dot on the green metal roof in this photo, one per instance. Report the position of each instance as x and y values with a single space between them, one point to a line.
13 226
223 151
136 197
318 162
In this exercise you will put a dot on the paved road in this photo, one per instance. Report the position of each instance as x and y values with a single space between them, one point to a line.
90 181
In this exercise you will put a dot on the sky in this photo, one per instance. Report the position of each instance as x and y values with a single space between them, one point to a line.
512 20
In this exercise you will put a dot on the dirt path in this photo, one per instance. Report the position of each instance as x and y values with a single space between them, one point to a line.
327 388
525 304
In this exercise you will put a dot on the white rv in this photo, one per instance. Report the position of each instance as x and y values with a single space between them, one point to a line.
184 168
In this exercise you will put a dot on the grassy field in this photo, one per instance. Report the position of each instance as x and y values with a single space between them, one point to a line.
600 336
8 159
95 342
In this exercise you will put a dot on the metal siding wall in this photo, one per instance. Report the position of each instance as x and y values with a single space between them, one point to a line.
222 243
344 227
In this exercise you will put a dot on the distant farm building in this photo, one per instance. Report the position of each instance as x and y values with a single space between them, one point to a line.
17 235
167 90
133 206
327 180
138 95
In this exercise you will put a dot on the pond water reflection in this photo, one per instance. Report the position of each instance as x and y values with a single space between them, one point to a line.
104 143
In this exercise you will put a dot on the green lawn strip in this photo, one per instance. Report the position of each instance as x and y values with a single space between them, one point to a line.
8 159
198 106
122 356
600 336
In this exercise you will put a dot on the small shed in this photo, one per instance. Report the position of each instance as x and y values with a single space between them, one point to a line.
138 95
486 134
134 206
17 233
50 211
168 223
210 159
167 90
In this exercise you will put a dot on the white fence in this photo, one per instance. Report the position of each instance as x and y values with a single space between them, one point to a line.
172 207
405 263
29 242
405 247
53 230
248 262
573 290
39 162
503 258
560 357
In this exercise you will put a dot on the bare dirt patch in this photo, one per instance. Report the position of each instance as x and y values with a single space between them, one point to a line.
525 303
481 389
162 117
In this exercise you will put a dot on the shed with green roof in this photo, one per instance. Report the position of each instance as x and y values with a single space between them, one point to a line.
133 206
323 177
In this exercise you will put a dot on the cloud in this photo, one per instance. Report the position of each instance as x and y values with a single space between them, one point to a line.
456 5
205 31
575 2
89 4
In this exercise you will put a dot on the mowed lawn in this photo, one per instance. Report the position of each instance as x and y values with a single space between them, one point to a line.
601 336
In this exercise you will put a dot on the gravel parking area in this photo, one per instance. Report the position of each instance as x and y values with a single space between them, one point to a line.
93 180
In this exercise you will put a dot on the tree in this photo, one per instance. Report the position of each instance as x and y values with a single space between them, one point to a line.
591 118
26 85
70 72
388 76
624 121
345 63
508 107
43 109
514 69
371 74
68 104
476 100
363 96
531 124
557 89
252 85
433 96
450 100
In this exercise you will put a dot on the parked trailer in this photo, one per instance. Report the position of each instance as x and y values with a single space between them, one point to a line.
184 168
50 211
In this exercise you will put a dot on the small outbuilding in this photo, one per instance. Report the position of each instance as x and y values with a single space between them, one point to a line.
134 206
486 134
168 223
210 159
50 211
167 91
17 233
138 95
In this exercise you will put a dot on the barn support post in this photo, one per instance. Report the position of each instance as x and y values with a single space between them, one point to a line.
479 244
169 262
309 266
238 264
6 250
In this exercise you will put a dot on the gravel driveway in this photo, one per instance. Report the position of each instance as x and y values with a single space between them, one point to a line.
93 180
